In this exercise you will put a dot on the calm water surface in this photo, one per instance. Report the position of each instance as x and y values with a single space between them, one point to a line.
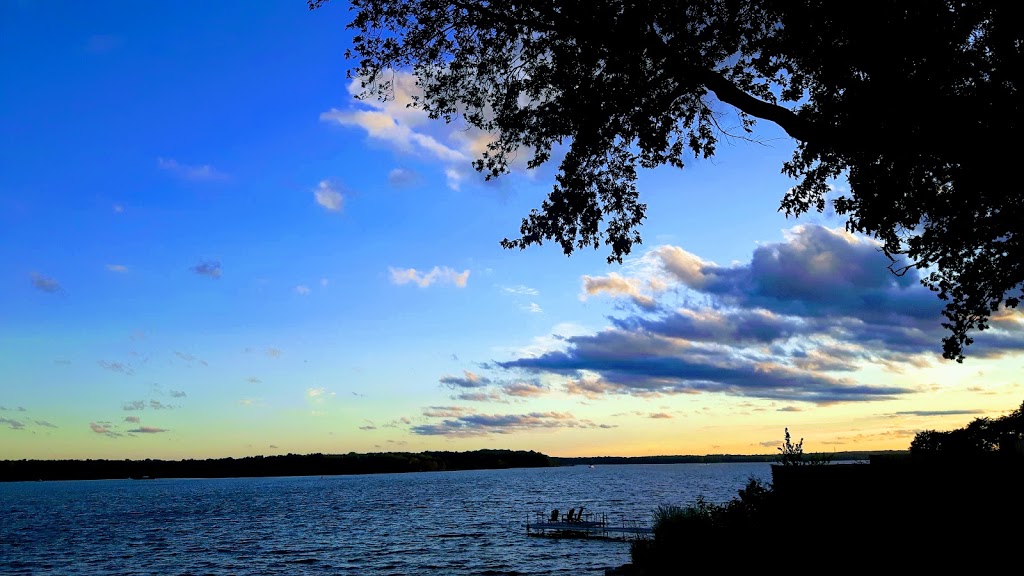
456 523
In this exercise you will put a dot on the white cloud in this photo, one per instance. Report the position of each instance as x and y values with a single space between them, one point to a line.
533 308
443 275
302 290
328 196
520 290
202 173
117 268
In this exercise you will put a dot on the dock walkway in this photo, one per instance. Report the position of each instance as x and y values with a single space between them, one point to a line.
589 526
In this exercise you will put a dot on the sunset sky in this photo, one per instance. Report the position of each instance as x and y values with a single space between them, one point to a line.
209 247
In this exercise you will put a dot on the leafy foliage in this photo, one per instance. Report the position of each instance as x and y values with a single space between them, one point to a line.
902 99
981 436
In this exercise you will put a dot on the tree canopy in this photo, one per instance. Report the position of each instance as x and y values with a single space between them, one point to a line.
908 101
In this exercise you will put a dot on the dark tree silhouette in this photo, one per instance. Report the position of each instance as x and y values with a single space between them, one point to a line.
982 436
908 101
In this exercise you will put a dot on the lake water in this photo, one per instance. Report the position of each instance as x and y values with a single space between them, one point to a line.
457 523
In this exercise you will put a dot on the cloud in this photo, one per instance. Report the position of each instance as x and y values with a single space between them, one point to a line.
13 424
17 409
368 427
201 173
302 290
534 308
178 394
519 290
479 396
790 409
273 352
939 412
248 401
328 196
315 392
118 367
253 380
446 411
45 424
524 389
401 177
443 275
104 428
45 283
483 424
209 268
117 268
134 405
147 430
467 380
158 405
132 419
770 443
659 415
617 285
189 359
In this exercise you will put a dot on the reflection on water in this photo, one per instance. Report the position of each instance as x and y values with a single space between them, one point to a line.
443 523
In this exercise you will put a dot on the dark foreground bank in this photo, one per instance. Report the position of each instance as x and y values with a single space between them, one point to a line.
266 466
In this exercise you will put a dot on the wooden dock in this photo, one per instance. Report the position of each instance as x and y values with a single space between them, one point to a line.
589 526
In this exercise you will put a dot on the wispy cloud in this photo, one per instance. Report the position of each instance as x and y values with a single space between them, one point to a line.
533 308
147 430
120 268
158 405
104 428
659 415
401 177
483 424
302 290
134 405
16 409
328 197
190 359
519 290
209 268
939 412
12 423
443 275
132 419
45 283
119 367
467 380
178 394
45 424
195 173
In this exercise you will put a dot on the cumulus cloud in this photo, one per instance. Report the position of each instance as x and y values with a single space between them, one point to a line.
524 389
443 275
45 283
195 173
328 197
467 380
483 424
147 430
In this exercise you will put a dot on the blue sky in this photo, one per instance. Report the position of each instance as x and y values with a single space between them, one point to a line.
208 247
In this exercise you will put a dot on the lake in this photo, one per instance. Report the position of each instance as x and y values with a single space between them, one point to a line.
457 523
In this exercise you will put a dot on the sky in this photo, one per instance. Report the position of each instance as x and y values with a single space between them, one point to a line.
209 247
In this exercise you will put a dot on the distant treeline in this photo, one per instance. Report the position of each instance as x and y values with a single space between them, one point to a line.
287 465
713 458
